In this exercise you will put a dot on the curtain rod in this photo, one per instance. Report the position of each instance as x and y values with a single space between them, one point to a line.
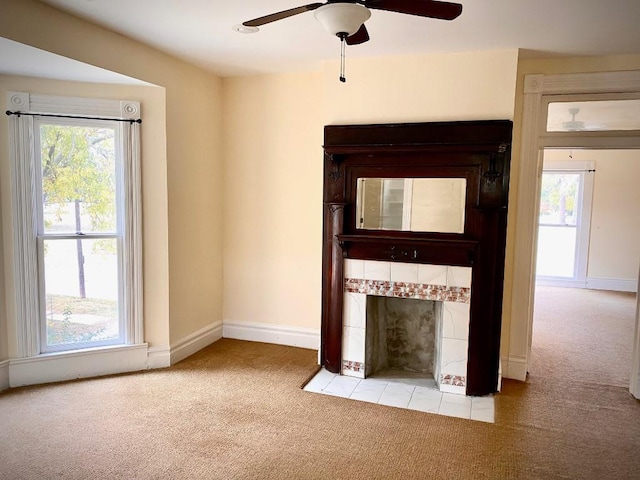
130 120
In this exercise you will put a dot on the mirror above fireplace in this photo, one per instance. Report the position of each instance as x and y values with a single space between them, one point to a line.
411 204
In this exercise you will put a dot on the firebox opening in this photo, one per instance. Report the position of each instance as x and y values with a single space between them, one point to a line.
401 335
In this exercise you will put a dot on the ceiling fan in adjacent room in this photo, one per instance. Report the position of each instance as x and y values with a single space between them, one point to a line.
345 18
574 125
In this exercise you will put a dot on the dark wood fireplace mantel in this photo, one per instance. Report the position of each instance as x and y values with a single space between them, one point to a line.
478 151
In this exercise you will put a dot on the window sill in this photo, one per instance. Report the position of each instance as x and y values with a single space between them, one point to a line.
62 366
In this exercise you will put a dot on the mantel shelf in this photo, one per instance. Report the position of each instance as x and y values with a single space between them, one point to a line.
452 242
397 248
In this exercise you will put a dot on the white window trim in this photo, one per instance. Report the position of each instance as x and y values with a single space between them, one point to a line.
24 210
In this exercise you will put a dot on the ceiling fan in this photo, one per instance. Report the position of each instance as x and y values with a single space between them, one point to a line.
573 125
345 18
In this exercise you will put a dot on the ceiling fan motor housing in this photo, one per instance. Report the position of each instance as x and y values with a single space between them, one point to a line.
342 18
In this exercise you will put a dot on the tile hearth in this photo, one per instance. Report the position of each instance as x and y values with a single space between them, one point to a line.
403 390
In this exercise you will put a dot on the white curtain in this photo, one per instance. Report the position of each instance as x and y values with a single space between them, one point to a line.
132 248
24 235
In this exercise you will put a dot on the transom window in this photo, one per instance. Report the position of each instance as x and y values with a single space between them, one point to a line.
592 114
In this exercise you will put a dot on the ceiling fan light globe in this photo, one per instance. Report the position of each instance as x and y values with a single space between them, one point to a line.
341 18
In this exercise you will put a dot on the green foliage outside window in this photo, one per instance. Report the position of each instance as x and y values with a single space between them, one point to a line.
558 198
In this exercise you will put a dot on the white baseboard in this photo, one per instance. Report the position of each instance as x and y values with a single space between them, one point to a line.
614 284
558 282
195 342
4 375
159 357
514 367
278 334
57 367
634 387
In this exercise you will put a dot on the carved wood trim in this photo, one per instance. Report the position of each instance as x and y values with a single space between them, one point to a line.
478 151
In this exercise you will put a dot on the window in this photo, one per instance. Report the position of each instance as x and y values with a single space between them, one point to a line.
76 225
564 222
593 115
79 232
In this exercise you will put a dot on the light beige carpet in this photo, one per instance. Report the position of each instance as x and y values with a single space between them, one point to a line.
236 411
583 335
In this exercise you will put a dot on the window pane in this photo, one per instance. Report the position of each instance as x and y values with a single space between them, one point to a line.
559 198
78 178
594 116
556 251
81 291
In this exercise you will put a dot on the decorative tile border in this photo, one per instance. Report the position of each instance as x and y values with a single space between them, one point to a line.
352 366
420 291
456 380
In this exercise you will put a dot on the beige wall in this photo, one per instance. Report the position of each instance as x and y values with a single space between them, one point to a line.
192 235
194 160
614 243
273 162
425 88
457 86
273 199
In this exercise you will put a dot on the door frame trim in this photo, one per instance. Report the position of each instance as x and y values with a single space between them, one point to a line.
528 192
634 388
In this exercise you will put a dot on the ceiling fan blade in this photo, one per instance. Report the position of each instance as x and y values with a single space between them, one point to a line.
422 8
359 37
257 22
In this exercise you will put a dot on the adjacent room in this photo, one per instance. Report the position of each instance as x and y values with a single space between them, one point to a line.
350 239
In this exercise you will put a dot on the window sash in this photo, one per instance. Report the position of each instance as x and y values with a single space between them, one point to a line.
45 347
38 122
43 236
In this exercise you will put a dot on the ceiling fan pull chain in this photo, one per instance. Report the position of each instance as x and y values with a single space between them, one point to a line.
342 57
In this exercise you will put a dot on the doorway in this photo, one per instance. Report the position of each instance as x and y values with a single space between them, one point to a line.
566 91
588 253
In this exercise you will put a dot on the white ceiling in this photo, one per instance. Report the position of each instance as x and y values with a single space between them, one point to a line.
200 31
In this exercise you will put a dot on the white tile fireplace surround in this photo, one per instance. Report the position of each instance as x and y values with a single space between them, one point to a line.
448 286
